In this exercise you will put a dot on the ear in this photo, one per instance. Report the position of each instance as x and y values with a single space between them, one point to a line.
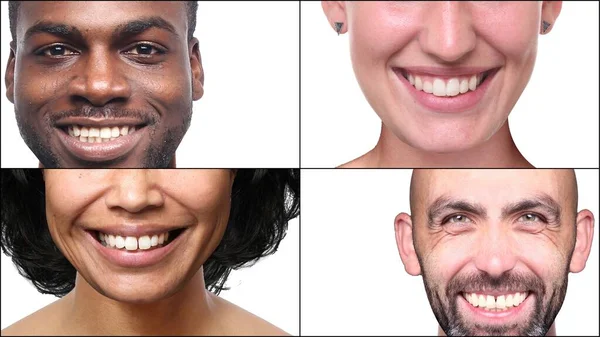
550 12
9 77
583 240
336 12
404 228
197 70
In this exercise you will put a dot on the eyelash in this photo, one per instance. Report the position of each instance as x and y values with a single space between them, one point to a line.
159 51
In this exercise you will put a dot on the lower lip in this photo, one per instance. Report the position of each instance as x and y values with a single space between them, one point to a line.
450 104
138 258
99 152
497 317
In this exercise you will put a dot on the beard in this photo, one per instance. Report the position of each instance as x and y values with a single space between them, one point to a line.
546 306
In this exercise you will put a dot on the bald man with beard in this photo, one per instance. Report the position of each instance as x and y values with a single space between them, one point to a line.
494 247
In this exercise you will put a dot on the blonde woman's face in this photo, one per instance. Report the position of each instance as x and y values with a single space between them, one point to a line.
444 43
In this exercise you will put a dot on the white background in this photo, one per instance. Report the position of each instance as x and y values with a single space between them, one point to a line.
554 123
269 289
249 115
353 281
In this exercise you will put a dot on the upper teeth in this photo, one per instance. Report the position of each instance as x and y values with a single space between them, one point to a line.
443 87
132 242
490 302
99 135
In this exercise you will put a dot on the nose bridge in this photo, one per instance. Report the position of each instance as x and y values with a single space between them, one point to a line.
134 190
448 31
100 79
495 252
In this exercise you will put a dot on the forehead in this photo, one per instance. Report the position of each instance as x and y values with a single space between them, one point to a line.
491 187
96 17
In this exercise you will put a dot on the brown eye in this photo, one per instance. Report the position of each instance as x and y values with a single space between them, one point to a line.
56 51
145 49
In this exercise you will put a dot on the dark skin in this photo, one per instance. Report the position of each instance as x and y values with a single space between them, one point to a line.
89 67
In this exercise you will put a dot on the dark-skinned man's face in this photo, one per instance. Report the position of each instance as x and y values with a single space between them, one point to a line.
98 84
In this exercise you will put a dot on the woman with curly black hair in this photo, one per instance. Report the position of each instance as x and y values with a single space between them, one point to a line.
139 252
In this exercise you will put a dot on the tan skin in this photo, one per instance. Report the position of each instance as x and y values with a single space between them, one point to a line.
529 241
388 35
166 298
98 72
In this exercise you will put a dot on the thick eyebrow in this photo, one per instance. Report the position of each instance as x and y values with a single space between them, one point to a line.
543 201
56 29
139 26
122 31
443 203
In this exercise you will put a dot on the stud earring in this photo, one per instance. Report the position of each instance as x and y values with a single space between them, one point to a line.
338 27
545 25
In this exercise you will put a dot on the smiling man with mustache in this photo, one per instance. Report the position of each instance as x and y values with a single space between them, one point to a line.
495 247
104 84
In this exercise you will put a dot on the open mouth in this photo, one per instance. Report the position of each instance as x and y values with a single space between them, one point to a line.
499 303
446 86
136 244
90 134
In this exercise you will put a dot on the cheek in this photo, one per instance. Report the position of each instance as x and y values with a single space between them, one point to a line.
206 193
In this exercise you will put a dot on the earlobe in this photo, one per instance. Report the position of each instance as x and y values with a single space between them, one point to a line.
584 234
403 227
336 15
197 70
550 12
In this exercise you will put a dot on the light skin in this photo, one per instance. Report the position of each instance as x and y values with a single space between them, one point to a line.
495 230
388 35
87 67
166 298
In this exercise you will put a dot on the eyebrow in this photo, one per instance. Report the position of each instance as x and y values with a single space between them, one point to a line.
122 31
541 200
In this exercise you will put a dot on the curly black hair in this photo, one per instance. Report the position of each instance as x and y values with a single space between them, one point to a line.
190 6
263 201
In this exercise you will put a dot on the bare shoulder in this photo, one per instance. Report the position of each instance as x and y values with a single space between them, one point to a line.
41 322
237 321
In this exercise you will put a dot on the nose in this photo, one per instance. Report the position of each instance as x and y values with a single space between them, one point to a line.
134 190
448 34
100 79
495 254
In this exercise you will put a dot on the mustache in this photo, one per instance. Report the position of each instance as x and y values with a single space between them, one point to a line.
508 281
148 117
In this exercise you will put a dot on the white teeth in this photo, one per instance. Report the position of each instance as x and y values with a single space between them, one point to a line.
440 87
144 242
500 303
418 83
120 242
98 135
131 242
94 132
464 86
452 88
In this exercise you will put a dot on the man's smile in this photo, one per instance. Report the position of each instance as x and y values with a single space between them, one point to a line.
507 309
99 140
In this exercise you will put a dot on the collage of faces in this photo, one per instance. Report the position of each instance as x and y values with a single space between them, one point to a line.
304 168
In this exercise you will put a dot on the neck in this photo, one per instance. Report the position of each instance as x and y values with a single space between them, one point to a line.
551 331
187 311
498 151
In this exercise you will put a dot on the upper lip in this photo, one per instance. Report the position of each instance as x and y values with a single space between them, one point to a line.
444 71
99 122
135 230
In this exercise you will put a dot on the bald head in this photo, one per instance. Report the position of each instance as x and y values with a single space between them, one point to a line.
428 184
